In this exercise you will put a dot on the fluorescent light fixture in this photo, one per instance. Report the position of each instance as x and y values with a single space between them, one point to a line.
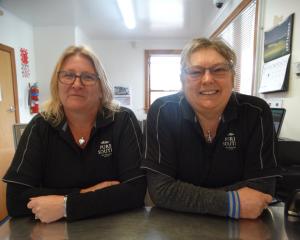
126 8
166 14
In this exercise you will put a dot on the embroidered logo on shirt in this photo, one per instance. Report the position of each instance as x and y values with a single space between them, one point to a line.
229 142
105 149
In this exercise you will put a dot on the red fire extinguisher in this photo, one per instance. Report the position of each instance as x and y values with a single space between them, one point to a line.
33 98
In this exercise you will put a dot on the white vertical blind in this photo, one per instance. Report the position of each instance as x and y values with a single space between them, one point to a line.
239 34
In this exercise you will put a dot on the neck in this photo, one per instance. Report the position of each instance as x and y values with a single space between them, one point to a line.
209 114
209 124
81 126
79 120
209 119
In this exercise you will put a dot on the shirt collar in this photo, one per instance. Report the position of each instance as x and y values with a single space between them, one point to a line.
231 109
103 119
187 110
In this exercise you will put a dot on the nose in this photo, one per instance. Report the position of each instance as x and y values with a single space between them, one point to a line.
207 76
77 82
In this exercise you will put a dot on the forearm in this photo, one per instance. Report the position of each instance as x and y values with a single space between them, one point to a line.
18 196
107 200
180 196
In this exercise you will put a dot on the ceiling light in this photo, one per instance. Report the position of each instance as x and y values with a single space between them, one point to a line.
126 8
166 14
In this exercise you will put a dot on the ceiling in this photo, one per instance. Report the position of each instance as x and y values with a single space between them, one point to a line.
101 19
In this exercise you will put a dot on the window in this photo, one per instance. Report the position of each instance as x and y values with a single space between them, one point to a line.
162 74
238 31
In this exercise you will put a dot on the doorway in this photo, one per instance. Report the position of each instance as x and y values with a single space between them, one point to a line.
9 112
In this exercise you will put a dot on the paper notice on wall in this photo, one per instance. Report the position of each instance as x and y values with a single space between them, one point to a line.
274 74
122 95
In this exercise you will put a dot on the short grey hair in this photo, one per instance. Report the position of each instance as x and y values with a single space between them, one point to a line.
203 43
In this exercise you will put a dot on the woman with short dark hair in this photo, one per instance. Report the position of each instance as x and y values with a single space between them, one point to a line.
209 149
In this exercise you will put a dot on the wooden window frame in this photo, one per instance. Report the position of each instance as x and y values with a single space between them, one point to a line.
147 55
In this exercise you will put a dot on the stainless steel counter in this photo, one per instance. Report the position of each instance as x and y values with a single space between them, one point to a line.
154 223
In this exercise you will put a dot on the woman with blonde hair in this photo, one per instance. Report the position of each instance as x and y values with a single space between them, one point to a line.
81 156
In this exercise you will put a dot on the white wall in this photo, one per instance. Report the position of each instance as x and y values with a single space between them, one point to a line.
50 42
274 10
44 44
124 64
80 37
122 60
17 34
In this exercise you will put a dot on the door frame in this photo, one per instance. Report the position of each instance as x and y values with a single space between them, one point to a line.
14 78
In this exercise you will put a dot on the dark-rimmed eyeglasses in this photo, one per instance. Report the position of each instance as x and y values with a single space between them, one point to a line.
218 71
69 77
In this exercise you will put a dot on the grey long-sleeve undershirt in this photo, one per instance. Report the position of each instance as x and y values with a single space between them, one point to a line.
187 197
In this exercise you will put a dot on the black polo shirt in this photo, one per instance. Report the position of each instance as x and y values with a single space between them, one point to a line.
242 149
49 156
49 161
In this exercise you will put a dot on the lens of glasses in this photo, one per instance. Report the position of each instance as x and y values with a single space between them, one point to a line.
217 71
88 78
68 77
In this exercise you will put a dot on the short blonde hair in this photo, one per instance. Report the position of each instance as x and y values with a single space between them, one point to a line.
53 109
203 43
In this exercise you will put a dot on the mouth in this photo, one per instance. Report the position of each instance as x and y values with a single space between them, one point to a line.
76 95
209 92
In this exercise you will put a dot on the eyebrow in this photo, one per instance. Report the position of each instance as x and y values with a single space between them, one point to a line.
213 65
72 71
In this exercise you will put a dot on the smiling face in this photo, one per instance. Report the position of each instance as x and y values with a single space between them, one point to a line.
211 91
77 97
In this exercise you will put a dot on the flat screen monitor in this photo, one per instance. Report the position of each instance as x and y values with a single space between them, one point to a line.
278 116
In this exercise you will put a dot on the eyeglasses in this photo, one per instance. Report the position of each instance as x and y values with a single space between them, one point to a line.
86 79
218 71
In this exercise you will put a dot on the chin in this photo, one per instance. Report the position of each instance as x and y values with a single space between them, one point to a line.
207 104
75 107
